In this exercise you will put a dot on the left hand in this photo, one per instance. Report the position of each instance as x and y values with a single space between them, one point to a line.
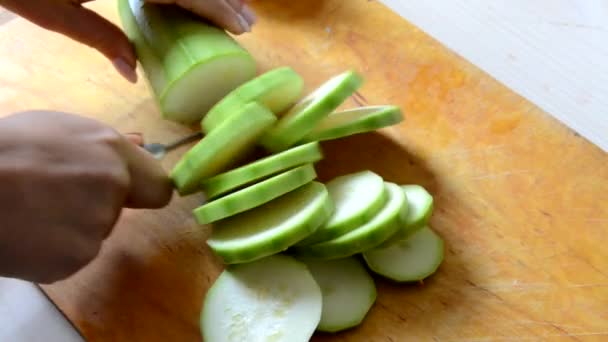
70 18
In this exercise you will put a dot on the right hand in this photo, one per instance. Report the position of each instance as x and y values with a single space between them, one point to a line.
65 180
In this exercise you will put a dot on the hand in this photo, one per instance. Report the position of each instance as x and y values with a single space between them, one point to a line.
65 180
70 18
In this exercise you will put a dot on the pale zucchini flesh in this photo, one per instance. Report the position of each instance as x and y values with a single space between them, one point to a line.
349 292
271 299
354 121
254 195
357 198
367 236
226 182
420 208
277 89
187 99
420 203
272 227
412 259
152 65
302 118
220 149
196 64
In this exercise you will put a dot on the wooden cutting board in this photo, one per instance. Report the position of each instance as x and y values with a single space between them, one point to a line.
521 200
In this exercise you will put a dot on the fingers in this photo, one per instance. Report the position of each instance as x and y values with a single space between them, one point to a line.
245 11
232 15
83 25
248 14
150 187
95 31
135 138
218 12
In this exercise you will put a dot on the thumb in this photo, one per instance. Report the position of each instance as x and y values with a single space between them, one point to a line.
83 25
135 138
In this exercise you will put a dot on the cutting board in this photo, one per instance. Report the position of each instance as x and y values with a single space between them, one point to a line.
520 200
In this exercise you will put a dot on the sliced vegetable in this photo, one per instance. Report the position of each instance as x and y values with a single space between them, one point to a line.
354 121
367 236
254 195
273 227
151 63
308 112
357 198
247 174
221 148
190 65
272 299
277 89
420 204
348 292
412 259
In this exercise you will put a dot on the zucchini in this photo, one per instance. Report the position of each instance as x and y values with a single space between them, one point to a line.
304 116
357 198
348 292
277 89
254 195
272 227
354 121
190 65
222 148
258 170
365 237
408 260
271 299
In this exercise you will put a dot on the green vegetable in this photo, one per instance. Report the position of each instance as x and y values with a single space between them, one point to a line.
348 292
420 204
304 116
277 89
271 299
248 174
367 236
254 195
357 197
221 148
189 64
273 227
354 121
412 259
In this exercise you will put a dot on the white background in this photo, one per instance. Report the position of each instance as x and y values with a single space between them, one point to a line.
552 52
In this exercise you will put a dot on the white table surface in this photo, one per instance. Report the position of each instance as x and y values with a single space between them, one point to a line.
553 52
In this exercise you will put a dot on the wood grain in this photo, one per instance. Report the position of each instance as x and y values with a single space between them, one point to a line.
521 200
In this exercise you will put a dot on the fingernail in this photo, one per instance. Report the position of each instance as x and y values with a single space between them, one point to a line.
125 70
248 14
244 24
